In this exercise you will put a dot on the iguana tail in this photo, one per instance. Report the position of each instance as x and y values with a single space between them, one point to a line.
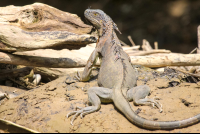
123 105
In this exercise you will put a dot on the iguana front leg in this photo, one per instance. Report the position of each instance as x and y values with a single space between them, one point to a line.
139 96
88 68
96 95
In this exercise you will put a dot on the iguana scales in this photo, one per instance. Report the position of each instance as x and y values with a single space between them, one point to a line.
116 80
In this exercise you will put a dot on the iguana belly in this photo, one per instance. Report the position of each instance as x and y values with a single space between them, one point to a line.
114 74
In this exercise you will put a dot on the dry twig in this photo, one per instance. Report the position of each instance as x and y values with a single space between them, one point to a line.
130 39
156 45
185 72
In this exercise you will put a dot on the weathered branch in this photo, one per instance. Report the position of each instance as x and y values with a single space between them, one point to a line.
41 26
142 53
130 39
167 60
41 61
78 58
18 39
156 45
186 72
126 49
146 45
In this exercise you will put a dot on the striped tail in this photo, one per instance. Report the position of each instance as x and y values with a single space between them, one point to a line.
123 105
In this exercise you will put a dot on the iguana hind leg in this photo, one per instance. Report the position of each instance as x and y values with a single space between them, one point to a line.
139 96
96 95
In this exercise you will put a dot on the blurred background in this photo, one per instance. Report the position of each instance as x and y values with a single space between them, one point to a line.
172 23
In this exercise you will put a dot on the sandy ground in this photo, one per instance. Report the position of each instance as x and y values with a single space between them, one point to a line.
45 109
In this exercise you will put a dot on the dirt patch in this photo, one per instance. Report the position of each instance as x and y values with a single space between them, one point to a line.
44 109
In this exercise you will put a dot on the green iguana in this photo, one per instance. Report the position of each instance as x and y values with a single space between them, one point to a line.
117 80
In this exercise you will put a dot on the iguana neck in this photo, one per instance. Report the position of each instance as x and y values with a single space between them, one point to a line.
105 29
108 40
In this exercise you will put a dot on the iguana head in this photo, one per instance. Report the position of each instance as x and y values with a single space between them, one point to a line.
100 20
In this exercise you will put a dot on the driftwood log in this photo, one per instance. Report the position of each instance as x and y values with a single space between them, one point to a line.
143 53
167 60
78 58
48 58
41 26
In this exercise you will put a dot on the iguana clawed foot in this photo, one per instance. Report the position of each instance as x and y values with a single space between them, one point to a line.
77 113
139 96
147 101
81 112
156 103
81 77
78 76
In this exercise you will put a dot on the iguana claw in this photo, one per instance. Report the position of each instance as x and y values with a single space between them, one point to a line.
78 76
153 102
82 112
159 105
77 113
